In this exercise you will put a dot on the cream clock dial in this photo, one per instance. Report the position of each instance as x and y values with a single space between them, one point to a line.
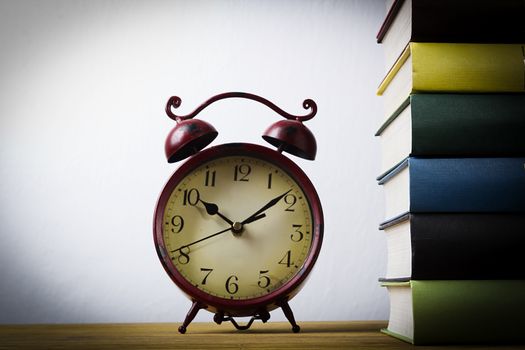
237 227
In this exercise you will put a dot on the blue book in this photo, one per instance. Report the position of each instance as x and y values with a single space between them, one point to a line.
454 185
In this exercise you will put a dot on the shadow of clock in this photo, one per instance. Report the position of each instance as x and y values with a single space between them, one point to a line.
284 328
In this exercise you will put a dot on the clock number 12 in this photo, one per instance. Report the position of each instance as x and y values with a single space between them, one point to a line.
241 172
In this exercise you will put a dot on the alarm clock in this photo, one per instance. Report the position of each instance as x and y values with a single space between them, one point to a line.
238 226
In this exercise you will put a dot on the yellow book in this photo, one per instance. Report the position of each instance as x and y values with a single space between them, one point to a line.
456 68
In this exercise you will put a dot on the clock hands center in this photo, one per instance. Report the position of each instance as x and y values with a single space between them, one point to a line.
236 227
233 228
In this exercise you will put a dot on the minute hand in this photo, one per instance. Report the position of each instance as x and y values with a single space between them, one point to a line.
267 206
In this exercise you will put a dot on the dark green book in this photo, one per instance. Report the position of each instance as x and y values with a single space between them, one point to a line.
454 125
457 312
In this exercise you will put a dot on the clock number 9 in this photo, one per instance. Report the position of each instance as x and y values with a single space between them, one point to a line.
232 287
290 199
191 197
178 224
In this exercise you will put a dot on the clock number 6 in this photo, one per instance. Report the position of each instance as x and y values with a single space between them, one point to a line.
232 287
191 197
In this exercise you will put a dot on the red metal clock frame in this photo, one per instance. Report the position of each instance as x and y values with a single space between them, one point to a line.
259 306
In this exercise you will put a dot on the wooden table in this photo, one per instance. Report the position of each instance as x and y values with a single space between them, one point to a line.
272 335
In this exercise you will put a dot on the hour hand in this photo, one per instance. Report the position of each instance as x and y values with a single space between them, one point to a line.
213 209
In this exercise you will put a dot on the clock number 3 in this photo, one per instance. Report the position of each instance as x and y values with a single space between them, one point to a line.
297 236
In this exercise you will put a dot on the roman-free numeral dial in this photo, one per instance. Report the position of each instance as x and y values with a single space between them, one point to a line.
237 227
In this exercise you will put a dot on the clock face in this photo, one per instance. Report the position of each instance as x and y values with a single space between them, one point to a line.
236 227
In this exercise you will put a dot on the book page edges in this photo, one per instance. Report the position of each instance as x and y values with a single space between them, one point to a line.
391 283
394 115
395 220
396 335
393 71
392 14
396 169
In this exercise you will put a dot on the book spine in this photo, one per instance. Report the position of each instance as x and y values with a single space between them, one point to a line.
464 68
467 246
468 124
478 311
468 21
467 185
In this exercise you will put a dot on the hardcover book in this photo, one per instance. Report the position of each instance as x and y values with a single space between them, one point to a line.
463 185
453 68
464 21
454 125
450 246
457 312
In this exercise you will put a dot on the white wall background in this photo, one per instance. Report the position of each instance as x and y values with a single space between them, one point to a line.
82 90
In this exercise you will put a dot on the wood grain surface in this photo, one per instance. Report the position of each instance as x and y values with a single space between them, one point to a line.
272 335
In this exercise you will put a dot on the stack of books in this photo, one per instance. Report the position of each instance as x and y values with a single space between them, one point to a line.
453 170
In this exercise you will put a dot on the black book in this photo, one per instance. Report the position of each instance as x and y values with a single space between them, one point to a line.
443 246
452 21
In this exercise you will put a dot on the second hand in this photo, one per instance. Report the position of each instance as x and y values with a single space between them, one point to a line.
202 239
260 216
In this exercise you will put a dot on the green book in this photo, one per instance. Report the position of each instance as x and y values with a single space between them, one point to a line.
454 125
457 312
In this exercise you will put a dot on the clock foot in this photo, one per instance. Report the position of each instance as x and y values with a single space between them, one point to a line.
195 307
289 315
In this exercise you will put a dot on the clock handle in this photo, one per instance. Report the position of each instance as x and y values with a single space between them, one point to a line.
190 135
175 102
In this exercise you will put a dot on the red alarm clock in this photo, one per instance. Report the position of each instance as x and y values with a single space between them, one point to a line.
238 227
